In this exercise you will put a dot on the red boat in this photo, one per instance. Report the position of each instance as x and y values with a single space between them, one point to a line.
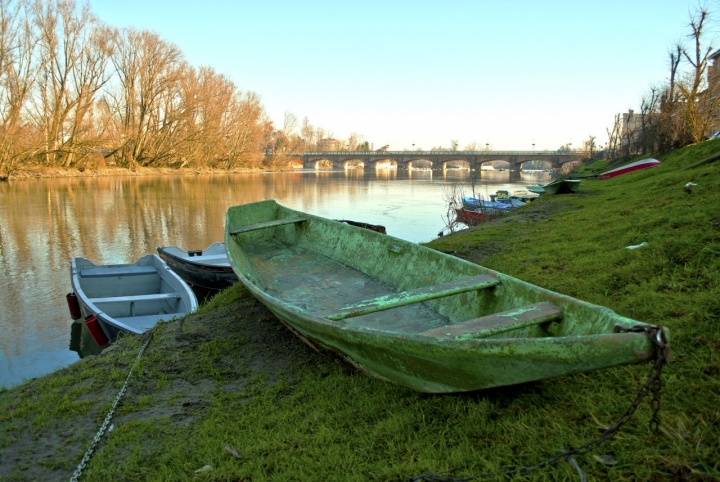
634 166
473 218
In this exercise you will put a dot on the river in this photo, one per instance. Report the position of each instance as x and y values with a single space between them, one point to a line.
45 223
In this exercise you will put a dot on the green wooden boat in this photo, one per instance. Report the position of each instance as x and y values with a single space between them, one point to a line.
415 316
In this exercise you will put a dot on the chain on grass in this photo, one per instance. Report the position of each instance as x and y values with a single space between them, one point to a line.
651 387
93 445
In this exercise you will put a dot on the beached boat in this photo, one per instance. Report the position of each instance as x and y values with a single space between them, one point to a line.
562 186
413 315
475 204
537 189
208 268
129 297
504 197
473 218
633 166
525 195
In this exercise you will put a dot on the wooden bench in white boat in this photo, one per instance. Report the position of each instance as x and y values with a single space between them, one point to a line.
148 297
108 271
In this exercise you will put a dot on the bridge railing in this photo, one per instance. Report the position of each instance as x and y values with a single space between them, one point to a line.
442 153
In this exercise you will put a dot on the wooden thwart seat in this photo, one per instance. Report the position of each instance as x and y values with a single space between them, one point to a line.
500 322
267 224
156 296
106 272
395 300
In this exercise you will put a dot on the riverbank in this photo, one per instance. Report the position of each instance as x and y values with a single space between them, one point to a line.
231 388
25 174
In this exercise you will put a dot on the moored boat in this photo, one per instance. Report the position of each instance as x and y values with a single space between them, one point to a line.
562 186
537 189
504 197
207 268
413 315
129 297
473 218
633 166
525 195
475 204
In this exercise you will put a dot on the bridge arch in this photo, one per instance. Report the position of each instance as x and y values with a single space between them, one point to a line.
420 164
495 165
383 163
536 165
459 164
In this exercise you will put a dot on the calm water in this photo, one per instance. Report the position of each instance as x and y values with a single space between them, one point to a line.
45 223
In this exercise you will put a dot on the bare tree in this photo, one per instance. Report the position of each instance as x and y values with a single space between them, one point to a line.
614 137
72 54
308 135
17 76
697 107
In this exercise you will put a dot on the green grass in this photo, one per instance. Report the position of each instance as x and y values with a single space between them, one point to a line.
205 382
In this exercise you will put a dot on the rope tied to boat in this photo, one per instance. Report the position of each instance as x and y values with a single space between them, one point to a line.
98 436
652 387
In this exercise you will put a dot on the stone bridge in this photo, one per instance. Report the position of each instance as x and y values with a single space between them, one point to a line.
404 159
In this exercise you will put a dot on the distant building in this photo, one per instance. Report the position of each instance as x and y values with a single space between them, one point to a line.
713 80
329 145
630 129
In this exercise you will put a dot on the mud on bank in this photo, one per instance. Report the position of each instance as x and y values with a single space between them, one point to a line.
49 422
26 174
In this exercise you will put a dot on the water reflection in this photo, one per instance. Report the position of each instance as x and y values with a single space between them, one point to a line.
116 220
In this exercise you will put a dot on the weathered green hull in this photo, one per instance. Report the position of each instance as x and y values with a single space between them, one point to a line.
400 311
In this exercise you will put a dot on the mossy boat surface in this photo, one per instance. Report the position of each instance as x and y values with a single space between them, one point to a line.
413 315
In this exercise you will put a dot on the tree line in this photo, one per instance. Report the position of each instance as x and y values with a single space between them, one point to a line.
77 93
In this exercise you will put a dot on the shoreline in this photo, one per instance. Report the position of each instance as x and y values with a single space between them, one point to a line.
53 173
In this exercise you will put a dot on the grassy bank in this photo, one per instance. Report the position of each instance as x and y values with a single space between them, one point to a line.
232 389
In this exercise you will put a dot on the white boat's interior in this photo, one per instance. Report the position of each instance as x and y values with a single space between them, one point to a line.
214 255
132 297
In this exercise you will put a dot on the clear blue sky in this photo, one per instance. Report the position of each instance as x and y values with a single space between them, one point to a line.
401 72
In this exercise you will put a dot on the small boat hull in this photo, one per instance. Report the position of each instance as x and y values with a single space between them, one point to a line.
208 268
562 186
412 315
130 297
473 218
634 166
537 189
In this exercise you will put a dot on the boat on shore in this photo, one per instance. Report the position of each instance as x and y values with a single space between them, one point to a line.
413 315
633 166
477 204
537 189
504 197
473 218
562 186
128 297
207 268
525 195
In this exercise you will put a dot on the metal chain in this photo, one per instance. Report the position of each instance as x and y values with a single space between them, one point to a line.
652 386
86 458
